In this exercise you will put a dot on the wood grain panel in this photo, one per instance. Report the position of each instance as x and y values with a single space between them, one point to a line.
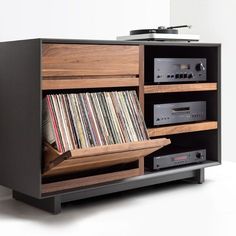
141 166
86 181
89 60
180 88
77 83
97 161
118 148
55 162
185 128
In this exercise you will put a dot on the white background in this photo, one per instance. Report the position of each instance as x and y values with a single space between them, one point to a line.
176 209
91 19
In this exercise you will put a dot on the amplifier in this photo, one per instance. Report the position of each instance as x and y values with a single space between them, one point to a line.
171 113
177 159
169 70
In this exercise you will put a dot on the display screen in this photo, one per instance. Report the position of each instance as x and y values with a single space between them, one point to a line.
183 66
181 109
181 158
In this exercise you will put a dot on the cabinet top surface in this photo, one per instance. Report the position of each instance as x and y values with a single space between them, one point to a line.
117 42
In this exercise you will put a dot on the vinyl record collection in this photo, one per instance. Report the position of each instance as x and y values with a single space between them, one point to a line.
72 121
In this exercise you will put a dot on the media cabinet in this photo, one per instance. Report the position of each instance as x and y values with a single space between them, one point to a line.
31 69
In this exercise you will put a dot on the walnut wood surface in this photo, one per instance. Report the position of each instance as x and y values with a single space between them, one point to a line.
117 148
75 83
87 60
96 157
185 128
86 181
94 162
180 88
49 154
141 166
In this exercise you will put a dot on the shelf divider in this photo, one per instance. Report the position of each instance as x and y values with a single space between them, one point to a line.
88 181
183 128
175 88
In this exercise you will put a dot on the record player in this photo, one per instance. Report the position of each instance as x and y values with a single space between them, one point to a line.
160 34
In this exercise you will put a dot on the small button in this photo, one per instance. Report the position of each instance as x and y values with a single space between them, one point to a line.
190 76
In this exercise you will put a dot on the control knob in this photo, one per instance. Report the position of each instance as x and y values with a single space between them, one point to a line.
198 155
200 67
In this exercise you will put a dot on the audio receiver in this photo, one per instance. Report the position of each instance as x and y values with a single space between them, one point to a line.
158 162
171 113
167 70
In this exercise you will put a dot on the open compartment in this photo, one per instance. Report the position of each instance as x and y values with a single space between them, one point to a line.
211 53
88 166
69 167
207 141
211 99
81 179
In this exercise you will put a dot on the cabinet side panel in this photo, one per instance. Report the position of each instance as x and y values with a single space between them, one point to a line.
20 120
219 105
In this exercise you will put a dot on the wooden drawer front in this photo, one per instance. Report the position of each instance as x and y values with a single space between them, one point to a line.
89 60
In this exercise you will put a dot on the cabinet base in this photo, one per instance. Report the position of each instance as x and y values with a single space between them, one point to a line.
53 204
200 176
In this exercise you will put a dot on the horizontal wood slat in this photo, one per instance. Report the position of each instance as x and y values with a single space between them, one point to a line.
171 88
91 180
117 148
185 128
87 60
52 84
